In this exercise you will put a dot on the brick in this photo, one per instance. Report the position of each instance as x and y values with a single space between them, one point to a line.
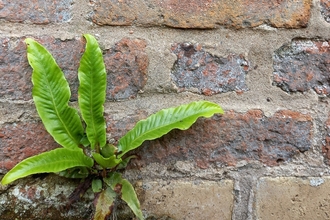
126 65
203 13
326 146
43 197
303 65
21 140
25 139
16 72
325 9
225 140
290 198
217 141
117 127
36 11
196 69
188 200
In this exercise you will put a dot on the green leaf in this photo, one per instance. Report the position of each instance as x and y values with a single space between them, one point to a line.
160 123
108 150
51 94
76 172
123 186
113 179
84 141
130 197
104 202
52 161
124 162
91 93
109 162
97 185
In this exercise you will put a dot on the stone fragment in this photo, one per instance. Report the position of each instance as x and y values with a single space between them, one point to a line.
196 69
303 65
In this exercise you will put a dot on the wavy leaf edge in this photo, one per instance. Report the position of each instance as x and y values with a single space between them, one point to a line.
135 137
51 94
92 91
52 161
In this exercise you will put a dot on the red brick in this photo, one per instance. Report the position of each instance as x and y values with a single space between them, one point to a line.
209 74
227 139
22 140
126 65
37 12
325 9
303 65
16 73
118 127
203 13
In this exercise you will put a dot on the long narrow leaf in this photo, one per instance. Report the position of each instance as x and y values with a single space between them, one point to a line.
162 122
104 204
125 188
130 197
92 89
49 162
51 94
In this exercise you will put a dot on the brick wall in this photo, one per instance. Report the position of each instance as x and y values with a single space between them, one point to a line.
267 63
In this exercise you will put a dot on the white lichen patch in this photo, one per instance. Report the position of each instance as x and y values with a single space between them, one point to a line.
317 181
20 196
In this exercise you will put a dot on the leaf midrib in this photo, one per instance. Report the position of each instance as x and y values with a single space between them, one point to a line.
57 112
162 127
92 109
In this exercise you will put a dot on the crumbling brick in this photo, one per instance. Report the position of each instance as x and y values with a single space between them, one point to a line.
203 13
303 65
196 69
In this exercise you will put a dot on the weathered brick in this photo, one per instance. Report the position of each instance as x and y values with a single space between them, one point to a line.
117 127
206 73
227 139
43 197
302 65
16 72
290 198
21 140
25 139
325 9
326 146
188 200
36 11
203 13
126 65
221 140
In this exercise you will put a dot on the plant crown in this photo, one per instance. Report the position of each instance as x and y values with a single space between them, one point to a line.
85 152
